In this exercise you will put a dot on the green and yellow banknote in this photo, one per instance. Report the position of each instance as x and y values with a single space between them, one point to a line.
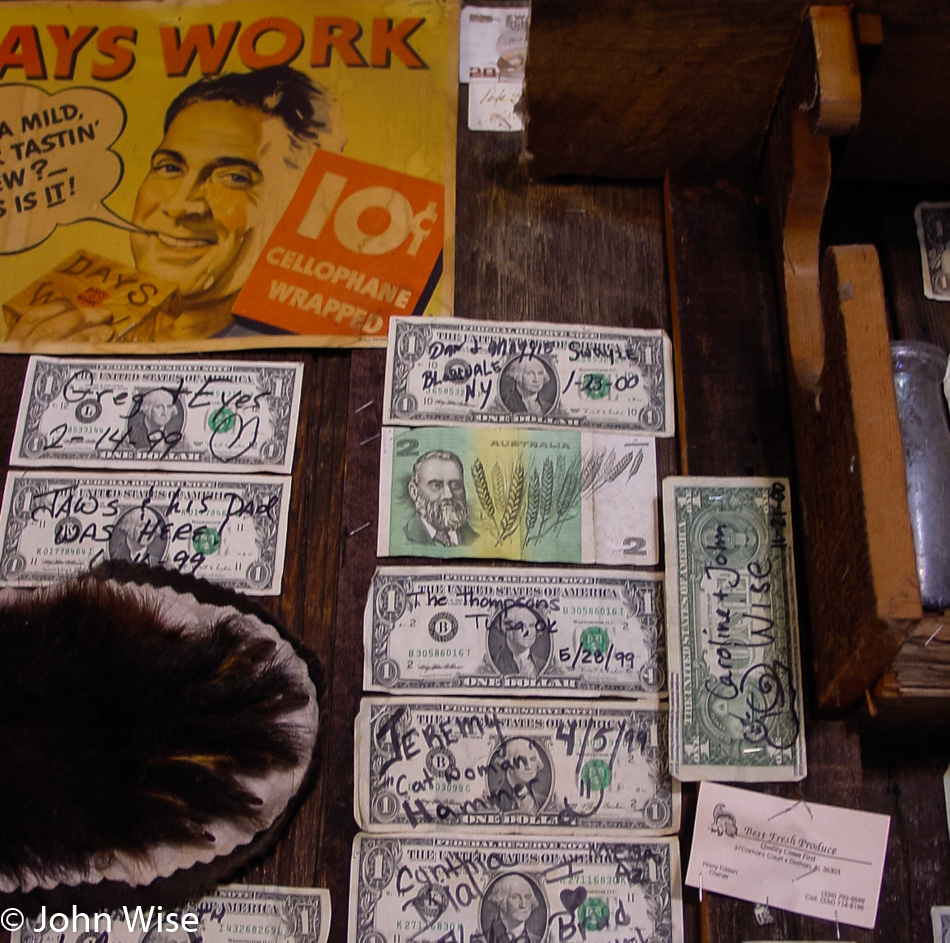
518 494
732 630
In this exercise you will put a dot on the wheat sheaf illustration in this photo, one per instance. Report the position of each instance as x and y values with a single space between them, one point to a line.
537 503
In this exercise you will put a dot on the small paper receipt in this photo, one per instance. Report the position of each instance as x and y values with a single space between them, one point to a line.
493 47
491 105
818 860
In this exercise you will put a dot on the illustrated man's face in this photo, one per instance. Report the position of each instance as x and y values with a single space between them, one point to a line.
438 492
521 629
531 377
217 186
516 899
523 762
158 407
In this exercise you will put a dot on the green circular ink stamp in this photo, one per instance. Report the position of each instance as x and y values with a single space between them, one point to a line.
206 541
596 385
593 914
595 640
596 775
222 420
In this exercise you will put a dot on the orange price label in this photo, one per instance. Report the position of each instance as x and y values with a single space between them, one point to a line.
357 244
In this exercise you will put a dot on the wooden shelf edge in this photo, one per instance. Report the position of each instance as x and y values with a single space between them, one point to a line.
860 568
921 669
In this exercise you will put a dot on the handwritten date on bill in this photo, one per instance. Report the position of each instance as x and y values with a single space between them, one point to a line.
229 529
475 630
451 371
425 764
194 415
498 889
732 631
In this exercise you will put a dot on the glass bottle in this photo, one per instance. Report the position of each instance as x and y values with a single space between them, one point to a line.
919 369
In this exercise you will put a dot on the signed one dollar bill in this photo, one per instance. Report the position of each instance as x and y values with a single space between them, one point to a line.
239 913
228 529
501 631
191 415
497 889
933 235
732 630
450 371
941 922
425 764
536 495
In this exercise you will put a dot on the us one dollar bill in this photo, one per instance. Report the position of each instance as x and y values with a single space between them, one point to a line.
426 764
501 631
732 631
239 913
228 529
192 415
499 889
452 371
941 922
933 236
519 494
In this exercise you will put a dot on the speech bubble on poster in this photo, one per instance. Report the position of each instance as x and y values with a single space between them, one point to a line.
56 161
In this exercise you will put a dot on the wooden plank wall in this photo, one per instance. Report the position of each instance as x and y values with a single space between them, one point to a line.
630 88
625 88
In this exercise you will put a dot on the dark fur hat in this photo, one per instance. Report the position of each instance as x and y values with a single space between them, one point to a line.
135 717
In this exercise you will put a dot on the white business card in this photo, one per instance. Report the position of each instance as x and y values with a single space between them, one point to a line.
818 860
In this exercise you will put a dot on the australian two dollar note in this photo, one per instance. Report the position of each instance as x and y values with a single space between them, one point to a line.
561 496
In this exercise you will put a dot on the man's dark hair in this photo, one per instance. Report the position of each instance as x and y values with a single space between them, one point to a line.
277 90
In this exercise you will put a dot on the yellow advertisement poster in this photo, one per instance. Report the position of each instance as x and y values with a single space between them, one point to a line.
149 151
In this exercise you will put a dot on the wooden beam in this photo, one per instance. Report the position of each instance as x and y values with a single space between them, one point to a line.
839 76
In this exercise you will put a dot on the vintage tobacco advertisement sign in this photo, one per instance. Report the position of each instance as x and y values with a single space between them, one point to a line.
157 159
